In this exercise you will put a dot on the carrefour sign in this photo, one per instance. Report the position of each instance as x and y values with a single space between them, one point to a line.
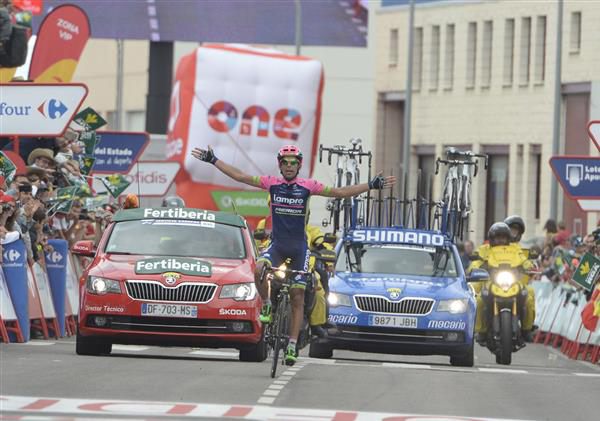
31 109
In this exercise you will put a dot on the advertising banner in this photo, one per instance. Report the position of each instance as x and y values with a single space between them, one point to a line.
116 152
249 203
246 103
14 267
72 285
61 38
56 266
147 178
579 177
43 284
28 109
7 311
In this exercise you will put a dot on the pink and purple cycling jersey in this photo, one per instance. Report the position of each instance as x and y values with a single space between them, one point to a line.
289 205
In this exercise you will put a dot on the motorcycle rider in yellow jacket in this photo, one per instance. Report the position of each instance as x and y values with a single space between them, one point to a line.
500 235
517 228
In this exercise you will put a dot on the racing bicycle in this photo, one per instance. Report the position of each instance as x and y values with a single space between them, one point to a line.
348 174
456 196
277 335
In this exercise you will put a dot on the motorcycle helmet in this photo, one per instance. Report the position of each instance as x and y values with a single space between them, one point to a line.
173 202
499 234
515 221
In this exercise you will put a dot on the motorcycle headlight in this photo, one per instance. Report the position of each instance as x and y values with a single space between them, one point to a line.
453 306
101 286
505 280
239 292
336 300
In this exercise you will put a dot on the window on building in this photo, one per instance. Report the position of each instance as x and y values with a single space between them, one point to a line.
509 51
427 167
435 58
538 183
449 60
135 121
496 190
417 58
486 54
471 54
540 49
393 47
525 54
575 41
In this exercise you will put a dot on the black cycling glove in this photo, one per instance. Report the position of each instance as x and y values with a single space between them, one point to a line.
377 182
207 155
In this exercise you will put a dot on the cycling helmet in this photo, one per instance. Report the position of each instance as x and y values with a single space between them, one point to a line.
519 223
498 230
173 202
289 150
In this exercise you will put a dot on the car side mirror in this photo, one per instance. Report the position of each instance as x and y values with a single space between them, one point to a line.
330 238
478 275
83 248
260 235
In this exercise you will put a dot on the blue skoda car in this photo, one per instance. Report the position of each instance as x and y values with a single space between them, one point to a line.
402 292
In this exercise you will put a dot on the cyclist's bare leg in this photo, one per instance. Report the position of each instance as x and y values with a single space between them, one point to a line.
262 286
297 296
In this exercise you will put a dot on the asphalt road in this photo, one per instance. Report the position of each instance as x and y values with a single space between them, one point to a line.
541 384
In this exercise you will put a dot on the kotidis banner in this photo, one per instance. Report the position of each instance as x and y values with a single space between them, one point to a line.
60 41
246 103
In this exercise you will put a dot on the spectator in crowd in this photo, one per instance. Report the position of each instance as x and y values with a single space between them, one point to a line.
465 250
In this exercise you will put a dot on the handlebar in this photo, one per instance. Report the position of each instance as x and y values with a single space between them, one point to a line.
467 154
455 163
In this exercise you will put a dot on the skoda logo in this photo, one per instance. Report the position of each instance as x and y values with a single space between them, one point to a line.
171 277
394 293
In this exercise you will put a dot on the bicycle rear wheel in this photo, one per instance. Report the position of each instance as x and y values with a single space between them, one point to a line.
280 330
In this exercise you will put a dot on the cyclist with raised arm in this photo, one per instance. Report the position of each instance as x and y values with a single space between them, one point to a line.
289 196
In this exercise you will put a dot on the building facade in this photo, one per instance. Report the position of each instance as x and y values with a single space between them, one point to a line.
483 79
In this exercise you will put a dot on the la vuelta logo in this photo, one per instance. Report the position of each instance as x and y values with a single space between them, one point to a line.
223 117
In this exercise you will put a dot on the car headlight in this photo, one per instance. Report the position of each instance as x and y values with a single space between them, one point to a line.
505 280
101 286
453 306
336 299
239 292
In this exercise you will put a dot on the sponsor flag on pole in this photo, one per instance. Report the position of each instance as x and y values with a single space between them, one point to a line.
60 41
7 168
89 119
115 184
89 139
86 163
33 6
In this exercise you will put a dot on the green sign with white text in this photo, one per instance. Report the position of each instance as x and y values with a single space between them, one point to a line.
247 203
587 272
173 264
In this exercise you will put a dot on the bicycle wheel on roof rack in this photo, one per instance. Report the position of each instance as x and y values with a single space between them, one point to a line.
454 216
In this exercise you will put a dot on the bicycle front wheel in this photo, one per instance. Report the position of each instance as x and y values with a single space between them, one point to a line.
280 329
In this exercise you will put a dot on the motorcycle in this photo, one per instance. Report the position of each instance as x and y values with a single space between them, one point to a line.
504 302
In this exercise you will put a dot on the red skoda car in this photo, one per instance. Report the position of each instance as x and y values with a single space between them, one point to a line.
171 277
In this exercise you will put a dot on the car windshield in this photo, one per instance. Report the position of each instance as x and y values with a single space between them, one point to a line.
177 238
397 259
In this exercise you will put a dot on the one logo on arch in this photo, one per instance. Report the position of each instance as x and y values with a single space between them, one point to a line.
223 117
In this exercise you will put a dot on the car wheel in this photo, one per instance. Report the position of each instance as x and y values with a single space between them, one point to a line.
318 350
464 360
90 346
256 353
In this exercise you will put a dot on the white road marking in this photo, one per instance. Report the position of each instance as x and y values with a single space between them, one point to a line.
265 400
502 370
280 382
587 374
35 343
270 392
276 386
405 365
319 361
289 373
215 353
135 348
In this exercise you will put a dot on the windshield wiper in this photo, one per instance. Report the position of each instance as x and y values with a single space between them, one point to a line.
120 252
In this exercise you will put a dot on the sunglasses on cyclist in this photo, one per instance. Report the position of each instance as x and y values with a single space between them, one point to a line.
289 162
